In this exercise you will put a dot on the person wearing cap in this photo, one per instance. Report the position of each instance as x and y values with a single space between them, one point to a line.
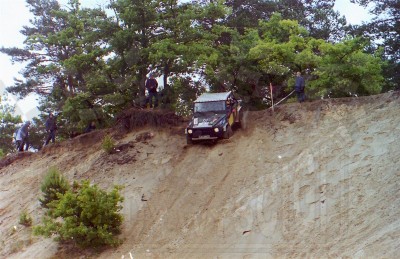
21 138
151 86
51 127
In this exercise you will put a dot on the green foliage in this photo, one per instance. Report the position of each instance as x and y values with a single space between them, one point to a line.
8 126
384 31
79 110
53 186
335 70
63 48
344 70
89 217
281 44
37 133
91 65
186 90
318 17
132 41
25 219
108 144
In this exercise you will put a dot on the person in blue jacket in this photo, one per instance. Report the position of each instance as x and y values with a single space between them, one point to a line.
299 87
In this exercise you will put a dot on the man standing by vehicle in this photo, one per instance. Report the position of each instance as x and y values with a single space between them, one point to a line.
21 137
151 86
51 127
299 87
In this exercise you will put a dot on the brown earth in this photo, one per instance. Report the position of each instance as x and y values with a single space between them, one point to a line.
318 179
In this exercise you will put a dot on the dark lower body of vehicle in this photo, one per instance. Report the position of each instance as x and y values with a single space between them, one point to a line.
211 133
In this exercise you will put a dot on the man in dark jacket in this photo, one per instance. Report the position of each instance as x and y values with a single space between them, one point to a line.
299 88
151 86
51 127
90 127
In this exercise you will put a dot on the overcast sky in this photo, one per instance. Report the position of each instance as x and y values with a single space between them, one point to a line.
14 14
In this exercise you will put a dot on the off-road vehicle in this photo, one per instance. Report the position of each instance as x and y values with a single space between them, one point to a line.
214 115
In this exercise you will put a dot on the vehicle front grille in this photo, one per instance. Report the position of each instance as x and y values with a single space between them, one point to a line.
202 132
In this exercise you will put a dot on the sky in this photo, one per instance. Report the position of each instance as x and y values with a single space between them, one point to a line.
14 15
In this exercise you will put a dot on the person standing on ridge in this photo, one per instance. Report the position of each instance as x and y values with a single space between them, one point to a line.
90 127
21 137
299 87
51 127
151 86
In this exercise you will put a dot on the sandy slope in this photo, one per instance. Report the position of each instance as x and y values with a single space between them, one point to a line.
316 180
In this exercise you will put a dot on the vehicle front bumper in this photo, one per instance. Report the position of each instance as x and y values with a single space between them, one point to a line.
204 133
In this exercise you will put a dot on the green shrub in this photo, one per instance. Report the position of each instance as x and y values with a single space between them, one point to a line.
25 219
108 144
54 184
86 216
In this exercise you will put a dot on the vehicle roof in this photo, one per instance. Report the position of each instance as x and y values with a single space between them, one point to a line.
212 97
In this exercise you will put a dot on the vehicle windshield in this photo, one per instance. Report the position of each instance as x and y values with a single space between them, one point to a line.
218 106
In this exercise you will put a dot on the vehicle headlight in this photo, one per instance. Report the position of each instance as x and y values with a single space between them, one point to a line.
216 130
190 131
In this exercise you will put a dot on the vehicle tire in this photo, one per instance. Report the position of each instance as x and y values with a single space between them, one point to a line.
228 133
189 140
240 123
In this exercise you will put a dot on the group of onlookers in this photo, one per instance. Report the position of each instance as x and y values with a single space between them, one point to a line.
22 134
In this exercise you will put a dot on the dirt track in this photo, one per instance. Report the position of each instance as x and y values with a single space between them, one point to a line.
319 179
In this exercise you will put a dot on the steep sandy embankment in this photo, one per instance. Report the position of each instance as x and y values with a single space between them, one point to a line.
319 179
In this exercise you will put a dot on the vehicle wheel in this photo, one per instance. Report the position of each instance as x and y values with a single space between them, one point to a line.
189 140
240 123
228 133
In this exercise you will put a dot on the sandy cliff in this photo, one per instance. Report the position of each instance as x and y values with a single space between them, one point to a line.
318 179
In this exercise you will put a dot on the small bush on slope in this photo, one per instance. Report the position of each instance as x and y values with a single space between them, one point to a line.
86 216
54 183
25 219
108 144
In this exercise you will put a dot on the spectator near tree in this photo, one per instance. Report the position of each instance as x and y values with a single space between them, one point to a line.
51 128
91 126
299 87
151 86
22 137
